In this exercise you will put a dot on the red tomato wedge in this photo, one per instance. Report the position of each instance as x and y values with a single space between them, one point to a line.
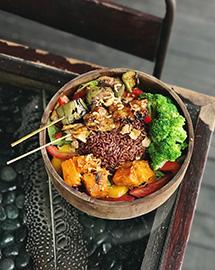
58 135
170 166
62 100
148 119
124 198
54 152
141 192
136 92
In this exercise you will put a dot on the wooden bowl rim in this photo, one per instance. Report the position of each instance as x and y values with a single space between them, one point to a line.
83 196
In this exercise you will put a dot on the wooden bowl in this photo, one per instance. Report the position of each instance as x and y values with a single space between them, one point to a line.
117 210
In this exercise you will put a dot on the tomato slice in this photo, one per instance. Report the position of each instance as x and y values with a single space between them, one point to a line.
62 100
141 192
58 135
54 152
124 198
148 119
172 166
136 92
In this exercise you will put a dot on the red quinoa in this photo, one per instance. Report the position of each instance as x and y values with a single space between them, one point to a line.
113 148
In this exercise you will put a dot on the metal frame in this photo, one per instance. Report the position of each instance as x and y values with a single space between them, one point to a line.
164 37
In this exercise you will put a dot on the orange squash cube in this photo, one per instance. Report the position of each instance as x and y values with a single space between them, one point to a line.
70 173
133 174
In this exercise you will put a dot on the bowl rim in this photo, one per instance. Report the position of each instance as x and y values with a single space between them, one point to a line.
97 73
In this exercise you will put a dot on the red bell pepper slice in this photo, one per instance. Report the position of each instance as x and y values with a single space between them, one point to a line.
148 119
141 192
58 135
80 94
62 100
124 198
136 92
54 152
172 166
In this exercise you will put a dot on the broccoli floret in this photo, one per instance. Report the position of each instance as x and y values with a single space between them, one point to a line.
167 133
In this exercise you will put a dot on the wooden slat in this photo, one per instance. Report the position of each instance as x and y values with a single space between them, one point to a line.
45 58
99 20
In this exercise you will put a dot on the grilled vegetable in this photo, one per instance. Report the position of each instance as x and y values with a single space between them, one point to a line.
54 152
117 191
56 163
130 80
72 111
170 166
141 192
52 132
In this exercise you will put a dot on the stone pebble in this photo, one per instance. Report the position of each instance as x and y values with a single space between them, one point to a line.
8 174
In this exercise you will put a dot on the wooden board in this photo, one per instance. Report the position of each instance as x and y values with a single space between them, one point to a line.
191 194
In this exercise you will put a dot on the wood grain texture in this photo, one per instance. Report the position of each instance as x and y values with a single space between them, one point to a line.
45 58
101 21
179 230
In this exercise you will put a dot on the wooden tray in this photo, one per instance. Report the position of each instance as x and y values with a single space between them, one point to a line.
172 221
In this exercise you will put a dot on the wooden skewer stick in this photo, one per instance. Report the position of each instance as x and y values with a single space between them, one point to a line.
36 131
37 149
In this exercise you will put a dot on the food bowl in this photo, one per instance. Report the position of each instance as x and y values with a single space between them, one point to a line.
107 209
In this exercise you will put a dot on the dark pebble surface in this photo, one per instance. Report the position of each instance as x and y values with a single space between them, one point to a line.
13 232
115 245
7 264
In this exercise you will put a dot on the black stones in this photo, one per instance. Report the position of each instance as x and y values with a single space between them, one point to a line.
10 251
91 248
88 234
21 234
22 260
106 247
6 239
9 197
101 238
4 186
99 226
12 211
108 262
1 198
7 264
117 267
20 199
8 174
10 224
2 213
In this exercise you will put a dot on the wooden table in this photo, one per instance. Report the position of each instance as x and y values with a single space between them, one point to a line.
172 221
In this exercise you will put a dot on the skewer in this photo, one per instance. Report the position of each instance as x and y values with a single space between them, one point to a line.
35 132
37 149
